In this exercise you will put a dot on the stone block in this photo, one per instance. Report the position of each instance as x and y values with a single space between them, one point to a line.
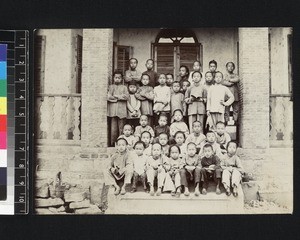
49 202
96 191
250 190
61 209
75 195
42 191
92 210
82 204
43 211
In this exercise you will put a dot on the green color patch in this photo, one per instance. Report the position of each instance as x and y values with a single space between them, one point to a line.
3 88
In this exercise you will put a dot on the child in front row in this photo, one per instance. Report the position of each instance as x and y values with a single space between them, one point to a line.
128 135
232 169
139 166
196 137
146 139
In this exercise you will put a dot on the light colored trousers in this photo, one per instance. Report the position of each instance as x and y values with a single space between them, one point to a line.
172 184
231 178
111 180
152 174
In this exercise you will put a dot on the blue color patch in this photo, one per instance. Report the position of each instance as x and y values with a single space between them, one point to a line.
3 71
3 52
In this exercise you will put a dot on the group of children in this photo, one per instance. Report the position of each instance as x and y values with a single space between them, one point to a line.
149 113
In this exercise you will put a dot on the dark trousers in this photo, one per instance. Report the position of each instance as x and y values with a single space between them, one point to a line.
133 122
116 129
139 178
186 176
202 175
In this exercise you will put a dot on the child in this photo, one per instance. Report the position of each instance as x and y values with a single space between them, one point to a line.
185 85
212 65
177 98
133 73
188 166
196 137
172 181
183 74
170 79
223 138
162 126
210 166
155 169
139 166
195 98
163 141
146 95
216 100
117 97
197 68
209 81
231 81
120 169
146 139
211 139
128 136
179 140
162 97
153 76
133 105
232 169
143 127
178 124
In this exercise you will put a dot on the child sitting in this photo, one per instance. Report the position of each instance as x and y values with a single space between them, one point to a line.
156 169
139 166
172 181
133 105
216 100
143 127
163 141
210 166
188 165
153 76
177 98
211 139
179 140
196 68
170 79
232 169
223 137
128 135
196 137
117 97
132 73
146 139
162 97
162 126
178 124
120 169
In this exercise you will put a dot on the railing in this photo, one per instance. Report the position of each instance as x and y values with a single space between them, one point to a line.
58 117
281 119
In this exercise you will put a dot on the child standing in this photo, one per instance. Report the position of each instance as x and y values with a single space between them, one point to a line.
133 105
183 74
151 73
196 68
213 67
120 169
146 139
188 166
195 98
128 136
231 81
163 141
185 85
222 137
143 127
162 126
216 100
162 97
196 137
146 95
178 124
155 169
139 166
170 79
117 97
179 140
133 73
232 169
177 98
210 166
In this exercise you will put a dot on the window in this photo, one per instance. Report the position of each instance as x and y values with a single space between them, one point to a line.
78 67
122 54
39 63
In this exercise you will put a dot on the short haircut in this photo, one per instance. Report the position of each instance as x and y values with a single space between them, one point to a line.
220 122
157 144
179 132
218 72
139 142
146 132
145 74
187 81
210 132
132 82
121 139
197 122
208 73
163 115
176 82
178 110
134 59
170 74
162 133
213 61
230 143
127 124
162 74
150 59
207 145
143 115
196 72
186 69
231 63
175 147
197 62
118 72
191 143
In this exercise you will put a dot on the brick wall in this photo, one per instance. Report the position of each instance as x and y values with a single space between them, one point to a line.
96 70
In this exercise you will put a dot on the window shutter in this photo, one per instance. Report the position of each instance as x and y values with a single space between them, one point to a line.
164 58
78 63
122 56
39 63
189 54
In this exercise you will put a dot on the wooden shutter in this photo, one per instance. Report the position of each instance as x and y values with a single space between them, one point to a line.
164 58
121 58
78 57
188 54
39 63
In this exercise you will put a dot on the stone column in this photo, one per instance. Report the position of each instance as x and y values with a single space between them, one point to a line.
96 71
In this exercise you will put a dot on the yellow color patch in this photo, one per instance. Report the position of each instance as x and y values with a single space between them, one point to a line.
3 105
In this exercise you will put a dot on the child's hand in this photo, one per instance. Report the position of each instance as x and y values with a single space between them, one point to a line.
121 171
212 166
208 113
222 102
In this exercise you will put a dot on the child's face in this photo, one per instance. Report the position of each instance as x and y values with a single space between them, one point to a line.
162 79
208 77
156 150
145 80
179 139
220 129
196 66
191 150
211 137
174 153
139 149
218 78
185 85
132 88
178 116
176 87
127 130
162 121
144 121
207 152
231 148
182 72
212 67
149 64
197 127
196 77
163 139
230 67
145 138
133 64
121 146
169 79
117 78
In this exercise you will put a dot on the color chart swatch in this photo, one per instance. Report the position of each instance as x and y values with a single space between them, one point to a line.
3 121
